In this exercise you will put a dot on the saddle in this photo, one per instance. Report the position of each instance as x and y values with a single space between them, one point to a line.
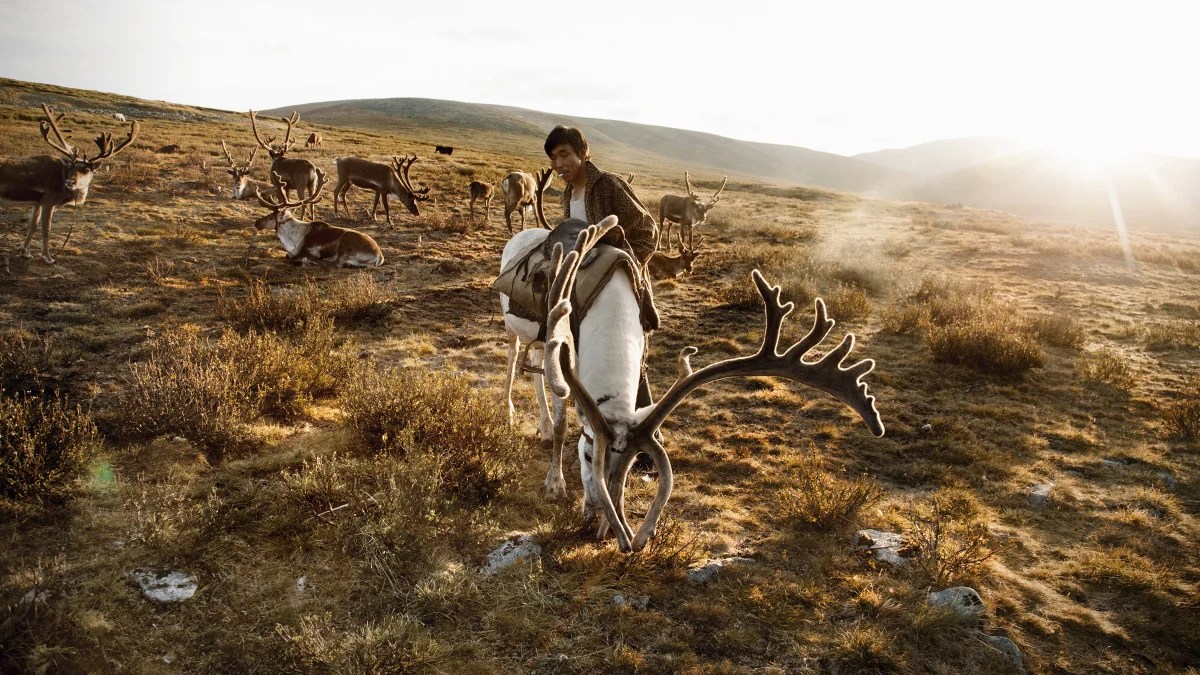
526 281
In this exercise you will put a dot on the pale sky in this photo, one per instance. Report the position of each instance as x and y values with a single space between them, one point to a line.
843 77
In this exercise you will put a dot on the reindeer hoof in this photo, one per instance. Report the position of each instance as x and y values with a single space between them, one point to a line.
556 489
47 259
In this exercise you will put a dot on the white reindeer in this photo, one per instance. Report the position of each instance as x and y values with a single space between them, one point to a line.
600 366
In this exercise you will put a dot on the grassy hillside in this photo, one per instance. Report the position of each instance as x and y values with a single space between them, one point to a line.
282 434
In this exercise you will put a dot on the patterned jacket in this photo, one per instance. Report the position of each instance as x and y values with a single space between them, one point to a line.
607 194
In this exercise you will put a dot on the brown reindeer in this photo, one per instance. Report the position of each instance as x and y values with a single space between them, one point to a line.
662 265
244 186
484 191
48 181
687 211
299 174
518 188
383 179
314 140
309 242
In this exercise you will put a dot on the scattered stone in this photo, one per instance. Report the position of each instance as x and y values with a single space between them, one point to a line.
168 658
174 586
516 548
927 428
884 545
1008 648
301 584
705 571
179 439
1039 495
1167 479
962 599
636 602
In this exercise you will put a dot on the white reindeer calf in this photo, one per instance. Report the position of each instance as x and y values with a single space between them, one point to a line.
309 242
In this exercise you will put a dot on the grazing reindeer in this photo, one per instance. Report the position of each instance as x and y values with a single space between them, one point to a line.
299 174
314 140
308 242
244 187
518 188
600 364
119 117
50 181
662 265
484 191
687 211
443 150
383 179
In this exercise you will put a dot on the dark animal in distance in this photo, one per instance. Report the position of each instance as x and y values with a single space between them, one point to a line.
443 149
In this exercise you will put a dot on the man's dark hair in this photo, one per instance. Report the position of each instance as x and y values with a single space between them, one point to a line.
569 135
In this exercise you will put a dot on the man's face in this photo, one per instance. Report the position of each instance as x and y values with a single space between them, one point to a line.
566 162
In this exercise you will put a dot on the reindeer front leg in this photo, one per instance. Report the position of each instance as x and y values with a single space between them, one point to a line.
556 484
47 214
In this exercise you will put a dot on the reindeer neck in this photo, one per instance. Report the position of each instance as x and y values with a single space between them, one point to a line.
291 233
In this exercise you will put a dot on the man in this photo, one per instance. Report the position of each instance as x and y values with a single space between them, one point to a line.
592 194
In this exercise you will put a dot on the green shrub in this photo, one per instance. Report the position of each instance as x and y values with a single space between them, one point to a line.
398 411
820 499
1057 330
44 445
994 343
1109 366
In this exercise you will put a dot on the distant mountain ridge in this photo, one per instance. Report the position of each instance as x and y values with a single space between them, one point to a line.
946 155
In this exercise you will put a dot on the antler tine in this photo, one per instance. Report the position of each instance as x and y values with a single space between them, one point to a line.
51 124
250 162
290 122
688 181
715 198
107 149
316 194
229 157
825 374
283 203
543 179
254 127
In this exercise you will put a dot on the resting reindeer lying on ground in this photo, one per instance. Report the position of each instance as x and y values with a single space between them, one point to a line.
600 364
307 242
245 187
662 265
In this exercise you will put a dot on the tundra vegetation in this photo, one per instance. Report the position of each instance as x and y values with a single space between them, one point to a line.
327 451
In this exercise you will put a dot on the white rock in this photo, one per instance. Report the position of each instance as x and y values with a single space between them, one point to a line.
962 599
174 586
1167 479
301 584
1039 494
885 546
707 570
1008 648
636 602
517 547
179 439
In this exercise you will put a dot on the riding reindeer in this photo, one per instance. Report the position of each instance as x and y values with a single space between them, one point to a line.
244 187
50 181
598 361
299 174
687 211
383 179
309 242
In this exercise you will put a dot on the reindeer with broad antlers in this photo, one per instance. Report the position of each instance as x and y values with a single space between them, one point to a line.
50 181
688 211
309 242
598 361
299 174
383 179
244 187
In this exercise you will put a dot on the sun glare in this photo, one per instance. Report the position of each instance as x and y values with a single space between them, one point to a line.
1094 156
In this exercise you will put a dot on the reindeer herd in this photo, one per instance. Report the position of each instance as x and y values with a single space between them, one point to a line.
593 352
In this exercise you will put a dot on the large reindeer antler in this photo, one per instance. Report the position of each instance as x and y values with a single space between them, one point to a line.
402 166
233 164
103 141
267 144
543 179
717 195
687 180
283 203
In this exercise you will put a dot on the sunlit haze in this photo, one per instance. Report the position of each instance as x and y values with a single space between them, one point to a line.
838 77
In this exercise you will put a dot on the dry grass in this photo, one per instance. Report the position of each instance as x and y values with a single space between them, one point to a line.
314 403
44 446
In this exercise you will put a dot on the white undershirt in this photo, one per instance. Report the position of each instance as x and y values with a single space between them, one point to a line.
577 208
